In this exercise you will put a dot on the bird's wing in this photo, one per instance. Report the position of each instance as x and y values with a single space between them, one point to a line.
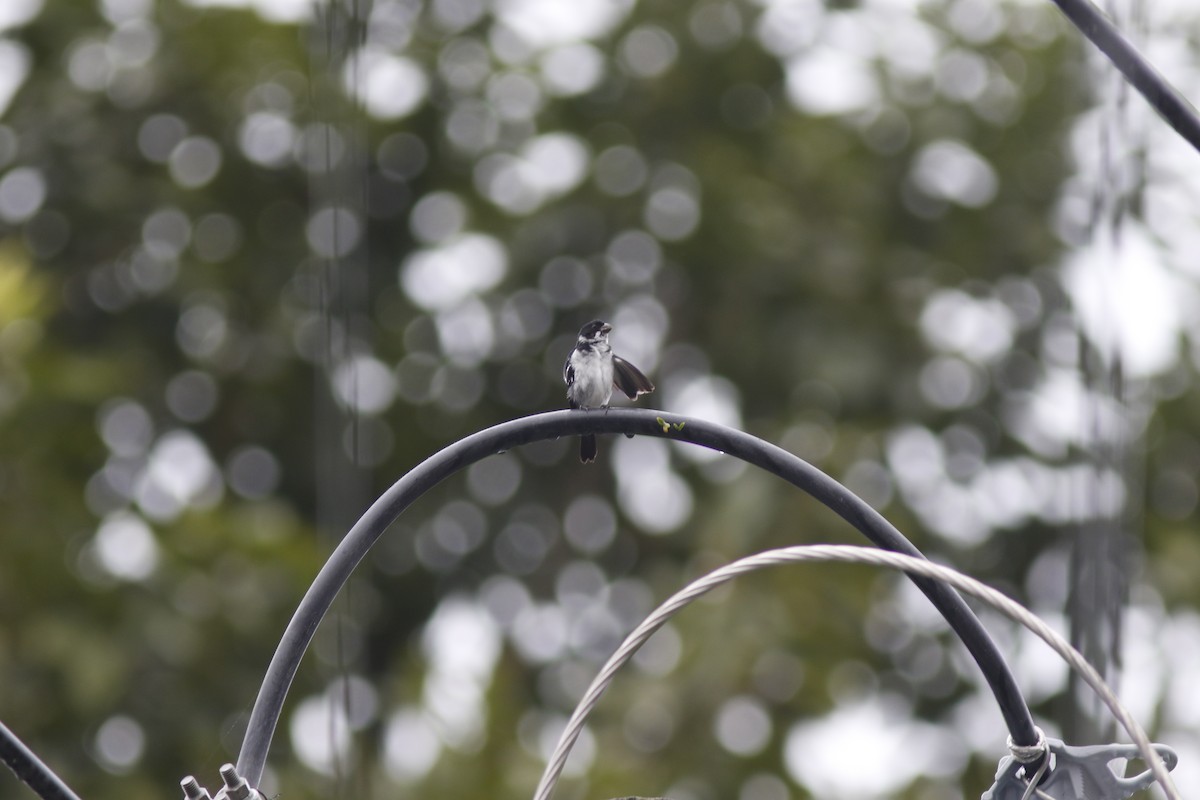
629 379
569 379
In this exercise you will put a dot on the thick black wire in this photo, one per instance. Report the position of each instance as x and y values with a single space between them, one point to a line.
1170 105
643 422
30 769
1177 112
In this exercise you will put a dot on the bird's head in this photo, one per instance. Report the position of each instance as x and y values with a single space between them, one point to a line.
595 331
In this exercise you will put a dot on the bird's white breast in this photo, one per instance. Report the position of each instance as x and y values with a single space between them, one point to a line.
593 377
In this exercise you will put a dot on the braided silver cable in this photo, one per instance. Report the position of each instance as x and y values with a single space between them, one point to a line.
854 555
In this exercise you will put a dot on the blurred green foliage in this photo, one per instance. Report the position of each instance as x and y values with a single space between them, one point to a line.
252 269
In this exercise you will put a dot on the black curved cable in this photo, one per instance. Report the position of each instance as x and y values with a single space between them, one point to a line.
643 422
1169 104
1173 108
30 769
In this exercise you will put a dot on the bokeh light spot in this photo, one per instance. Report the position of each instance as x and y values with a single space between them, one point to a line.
320 734
333 232
194 162
15 13
22 192
590 524
15 63
546 23
494 480
253 472
411 746
437 216
446 275
126 427
825 81
672 213
365 384
125 548
743 726
572 69
119 744
950 170
158 136
566 281
267 138
192 395
390 87
648 51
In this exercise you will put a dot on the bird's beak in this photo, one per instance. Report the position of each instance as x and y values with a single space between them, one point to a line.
606 328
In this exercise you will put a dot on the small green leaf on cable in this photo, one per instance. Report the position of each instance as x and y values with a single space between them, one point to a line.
667 426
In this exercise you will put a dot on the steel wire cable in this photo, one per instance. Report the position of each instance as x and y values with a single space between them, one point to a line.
856 555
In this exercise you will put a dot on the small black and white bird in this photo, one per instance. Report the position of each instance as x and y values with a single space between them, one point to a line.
591 372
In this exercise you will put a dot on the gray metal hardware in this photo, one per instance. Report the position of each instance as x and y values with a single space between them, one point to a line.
1077 773
235 788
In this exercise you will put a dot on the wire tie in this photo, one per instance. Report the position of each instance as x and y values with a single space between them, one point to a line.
1029 753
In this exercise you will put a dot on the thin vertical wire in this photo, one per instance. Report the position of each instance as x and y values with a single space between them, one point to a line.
338 189
1104 541
337 270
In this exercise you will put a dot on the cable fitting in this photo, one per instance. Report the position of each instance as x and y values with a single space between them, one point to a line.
1029 754
1079 773
235 788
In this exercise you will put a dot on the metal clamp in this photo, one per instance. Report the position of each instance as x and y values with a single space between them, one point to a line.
235 788
1077 773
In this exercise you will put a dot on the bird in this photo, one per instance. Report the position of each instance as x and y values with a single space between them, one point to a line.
591 371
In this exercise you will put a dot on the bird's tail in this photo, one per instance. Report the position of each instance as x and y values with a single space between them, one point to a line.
587 448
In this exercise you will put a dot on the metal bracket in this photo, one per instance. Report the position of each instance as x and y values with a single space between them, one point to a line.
235 787
1078 773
